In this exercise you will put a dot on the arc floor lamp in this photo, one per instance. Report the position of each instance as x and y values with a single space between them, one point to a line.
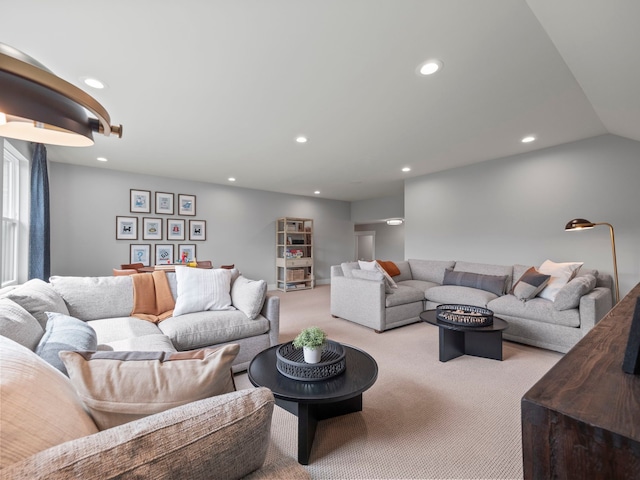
582 224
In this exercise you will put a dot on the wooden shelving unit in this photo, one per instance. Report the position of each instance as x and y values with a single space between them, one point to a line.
294 254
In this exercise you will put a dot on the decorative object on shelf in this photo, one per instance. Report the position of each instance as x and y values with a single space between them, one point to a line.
164 203
140 201
290 362
151 228
40 107
186 252
175 229
197 230
164 254
311 340
140 253
631 362
464 315
186 204
581 224
126 228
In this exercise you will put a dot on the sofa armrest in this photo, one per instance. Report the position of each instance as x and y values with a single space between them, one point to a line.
358 300
271 311
219 437
593 306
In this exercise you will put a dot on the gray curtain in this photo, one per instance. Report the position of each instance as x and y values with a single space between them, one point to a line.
39 235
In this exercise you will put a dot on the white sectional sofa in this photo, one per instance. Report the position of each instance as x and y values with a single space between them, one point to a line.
366 298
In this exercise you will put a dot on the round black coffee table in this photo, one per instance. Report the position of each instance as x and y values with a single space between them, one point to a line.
457 340
318 400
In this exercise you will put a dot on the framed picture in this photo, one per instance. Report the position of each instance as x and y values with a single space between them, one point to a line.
175 229
186 205
126 228
164 203
197 230
151 228
187 252
140 201
164 254
140 254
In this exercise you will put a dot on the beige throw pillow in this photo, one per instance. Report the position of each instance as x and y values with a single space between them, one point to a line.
39 405
118 387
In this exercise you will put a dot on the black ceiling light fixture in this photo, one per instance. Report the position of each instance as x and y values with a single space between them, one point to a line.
38 106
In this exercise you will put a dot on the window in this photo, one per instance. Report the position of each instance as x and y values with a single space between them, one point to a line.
14 218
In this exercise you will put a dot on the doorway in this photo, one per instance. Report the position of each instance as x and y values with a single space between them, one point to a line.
365 245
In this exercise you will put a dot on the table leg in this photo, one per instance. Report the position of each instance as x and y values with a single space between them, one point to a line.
486 344
452 344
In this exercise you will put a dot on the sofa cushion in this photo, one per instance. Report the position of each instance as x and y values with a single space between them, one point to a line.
348 267
404 294
201 289
120 328
91 298
560 273
429 270
40 407
18 324
65 333
118 387
201 329
248 296
420 285
38 297
536 309
146 343
487 269
461 295
569 295
490 283
373 276
529 284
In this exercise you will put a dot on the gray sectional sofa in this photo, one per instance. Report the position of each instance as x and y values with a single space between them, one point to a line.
366 298
105 304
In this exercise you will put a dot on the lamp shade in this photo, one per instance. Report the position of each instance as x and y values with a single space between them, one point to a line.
38 106
579 224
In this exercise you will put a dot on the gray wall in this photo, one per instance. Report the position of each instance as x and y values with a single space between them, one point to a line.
389 240
513 210
240 222
377 209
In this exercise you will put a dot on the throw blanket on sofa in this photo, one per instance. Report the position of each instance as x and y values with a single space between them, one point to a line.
152 298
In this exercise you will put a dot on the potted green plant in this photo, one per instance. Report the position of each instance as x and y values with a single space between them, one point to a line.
311 340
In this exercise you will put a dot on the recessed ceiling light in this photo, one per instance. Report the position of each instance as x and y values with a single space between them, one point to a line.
231 179
406 169
317 192
395 221
93 82
102 159
430 67
528 139
301 139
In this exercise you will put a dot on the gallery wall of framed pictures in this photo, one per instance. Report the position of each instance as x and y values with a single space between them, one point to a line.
161 229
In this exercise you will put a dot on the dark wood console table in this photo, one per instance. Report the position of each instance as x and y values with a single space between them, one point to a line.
582 419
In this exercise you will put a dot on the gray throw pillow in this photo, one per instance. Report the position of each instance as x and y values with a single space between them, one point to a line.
65 333
530 284
248 296
38 297
489 283
19 325
568 297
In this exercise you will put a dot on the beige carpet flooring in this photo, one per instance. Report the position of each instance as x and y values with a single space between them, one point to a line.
422 419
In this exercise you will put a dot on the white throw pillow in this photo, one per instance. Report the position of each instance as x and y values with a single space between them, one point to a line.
373 266
40 407
248 296
201 289
561 274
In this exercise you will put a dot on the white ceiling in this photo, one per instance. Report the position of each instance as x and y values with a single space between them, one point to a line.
208 89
